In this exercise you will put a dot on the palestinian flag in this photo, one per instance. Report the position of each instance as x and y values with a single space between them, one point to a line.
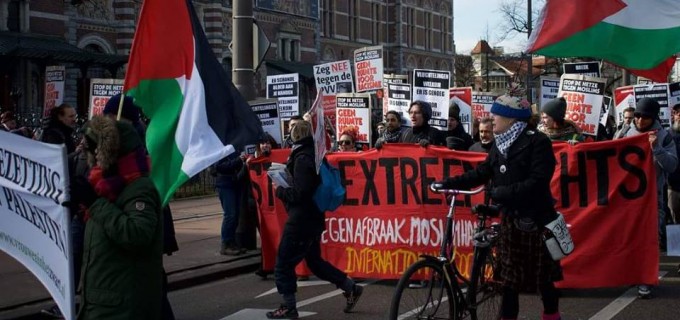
197 115
639 35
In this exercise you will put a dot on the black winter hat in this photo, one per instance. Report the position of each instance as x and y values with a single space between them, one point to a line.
647 107
130 110
425 108
555 108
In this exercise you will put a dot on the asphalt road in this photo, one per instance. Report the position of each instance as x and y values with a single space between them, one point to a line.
249 297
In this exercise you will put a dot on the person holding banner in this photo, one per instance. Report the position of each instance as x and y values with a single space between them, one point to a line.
392 130
517 171
9 123
665 161
421 133
122 261
301 237
555 126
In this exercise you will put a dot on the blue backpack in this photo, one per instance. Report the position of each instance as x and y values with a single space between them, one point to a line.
331 193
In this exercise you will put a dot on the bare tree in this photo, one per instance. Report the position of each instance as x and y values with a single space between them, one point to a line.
514 17
465 70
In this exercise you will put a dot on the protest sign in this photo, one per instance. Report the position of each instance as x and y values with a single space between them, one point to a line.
590 68
101 90
462 97
624 98
35 228
584 97
285 88
268 112
395 78
605 191
368 66
54 87
330 78
549 88
481 104
606 107
353 113
659 93
399 100
432 86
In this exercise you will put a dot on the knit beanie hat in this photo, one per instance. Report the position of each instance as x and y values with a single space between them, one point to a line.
425 109
647 107
555 108
130 110
454 111
511 107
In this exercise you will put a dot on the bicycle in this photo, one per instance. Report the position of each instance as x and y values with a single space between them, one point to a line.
445 293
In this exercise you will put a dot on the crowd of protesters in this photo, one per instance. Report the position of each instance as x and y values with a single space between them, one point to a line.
112 195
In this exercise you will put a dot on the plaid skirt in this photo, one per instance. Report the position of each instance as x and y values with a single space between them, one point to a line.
524 262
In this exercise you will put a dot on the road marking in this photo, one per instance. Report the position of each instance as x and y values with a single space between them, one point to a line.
616 306
300 284
329 295
254 314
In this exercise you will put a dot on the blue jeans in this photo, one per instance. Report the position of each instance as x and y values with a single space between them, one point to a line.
292 249
230 198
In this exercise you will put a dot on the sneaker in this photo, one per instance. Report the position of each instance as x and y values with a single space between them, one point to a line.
352 297
283 313
231 250
644 291
262 274
303 278
52 312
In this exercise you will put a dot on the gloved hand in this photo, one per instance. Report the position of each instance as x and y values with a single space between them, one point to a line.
446 184
424 143
82 192
379 143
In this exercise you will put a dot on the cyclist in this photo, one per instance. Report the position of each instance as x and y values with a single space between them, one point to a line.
518 168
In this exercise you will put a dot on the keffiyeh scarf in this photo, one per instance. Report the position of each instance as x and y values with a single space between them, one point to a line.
505 139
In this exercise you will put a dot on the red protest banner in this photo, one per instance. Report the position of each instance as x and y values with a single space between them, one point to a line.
605 190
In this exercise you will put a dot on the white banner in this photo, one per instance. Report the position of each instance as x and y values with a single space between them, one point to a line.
433 86
101 90
286 88
35 226
368 66
584 96
54 87
319 127
353 110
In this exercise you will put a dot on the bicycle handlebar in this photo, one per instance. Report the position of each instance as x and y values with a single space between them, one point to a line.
439 188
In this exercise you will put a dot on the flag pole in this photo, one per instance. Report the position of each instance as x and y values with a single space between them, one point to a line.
529 56
120 106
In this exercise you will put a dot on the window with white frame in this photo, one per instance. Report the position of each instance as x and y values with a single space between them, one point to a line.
288 46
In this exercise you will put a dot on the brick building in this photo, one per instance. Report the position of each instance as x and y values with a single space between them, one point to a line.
92 39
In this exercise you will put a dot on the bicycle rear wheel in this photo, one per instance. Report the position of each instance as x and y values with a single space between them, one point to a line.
423 292
486 291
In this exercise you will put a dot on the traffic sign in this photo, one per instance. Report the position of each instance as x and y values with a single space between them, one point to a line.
261 45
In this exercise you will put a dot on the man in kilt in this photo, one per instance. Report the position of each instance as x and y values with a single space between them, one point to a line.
519 167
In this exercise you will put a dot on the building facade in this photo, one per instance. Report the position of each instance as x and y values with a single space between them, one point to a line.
92 39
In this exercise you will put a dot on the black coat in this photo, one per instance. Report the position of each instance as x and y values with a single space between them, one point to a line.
303 215
459 132
520 184
56 132
431 134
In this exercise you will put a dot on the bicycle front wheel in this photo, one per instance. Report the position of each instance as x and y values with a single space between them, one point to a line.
485 295
423 292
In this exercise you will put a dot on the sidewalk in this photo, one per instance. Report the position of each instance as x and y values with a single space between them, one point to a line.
197 226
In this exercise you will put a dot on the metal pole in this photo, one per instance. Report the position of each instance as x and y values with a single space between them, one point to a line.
242 37
529 56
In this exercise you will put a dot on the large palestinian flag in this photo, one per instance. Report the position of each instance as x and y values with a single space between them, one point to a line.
639 35
197 115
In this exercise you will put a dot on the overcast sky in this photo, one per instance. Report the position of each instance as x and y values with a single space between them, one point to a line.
472 19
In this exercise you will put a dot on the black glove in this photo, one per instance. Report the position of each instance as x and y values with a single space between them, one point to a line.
424 143
445 184
82 192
